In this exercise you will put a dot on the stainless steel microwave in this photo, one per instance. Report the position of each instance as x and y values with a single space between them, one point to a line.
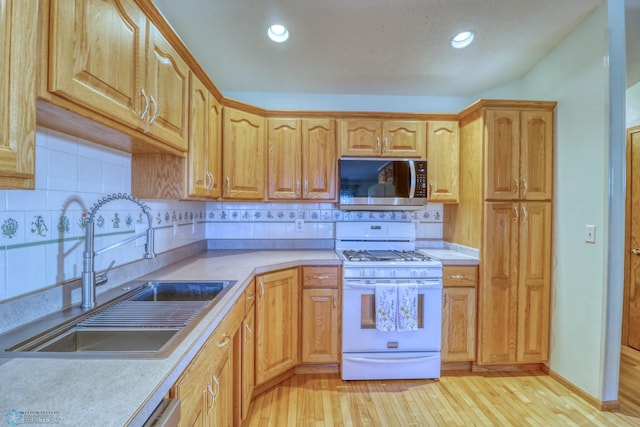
382 184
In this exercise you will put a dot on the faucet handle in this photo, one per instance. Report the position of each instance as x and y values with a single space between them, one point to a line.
102 278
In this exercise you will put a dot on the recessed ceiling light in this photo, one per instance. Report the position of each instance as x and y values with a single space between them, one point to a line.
462 39
278 33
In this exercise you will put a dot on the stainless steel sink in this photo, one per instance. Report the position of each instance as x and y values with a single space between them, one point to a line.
148 321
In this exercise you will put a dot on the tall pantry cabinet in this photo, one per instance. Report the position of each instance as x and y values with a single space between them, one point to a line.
505 210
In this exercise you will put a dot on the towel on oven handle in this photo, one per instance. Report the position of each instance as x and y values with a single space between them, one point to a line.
386 297
407 306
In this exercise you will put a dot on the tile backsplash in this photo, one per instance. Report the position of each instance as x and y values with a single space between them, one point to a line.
42 231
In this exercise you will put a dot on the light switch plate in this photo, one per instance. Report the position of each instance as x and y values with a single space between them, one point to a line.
590 233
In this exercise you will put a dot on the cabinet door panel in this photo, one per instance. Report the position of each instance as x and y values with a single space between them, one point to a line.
198 138
443 155
459 325
319 159
503 154
360 137
18 31
404 138
167 85
104 77
498 298
243 155
320 326
276 324
534 281
284 159
536 155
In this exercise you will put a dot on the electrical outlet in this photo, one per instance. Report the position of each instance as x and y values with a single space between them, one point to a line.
175 228
590 233
299 225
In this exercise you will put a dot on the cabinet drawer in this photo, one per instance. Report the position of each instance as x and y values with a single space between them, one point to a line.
460 275
320 277
250 296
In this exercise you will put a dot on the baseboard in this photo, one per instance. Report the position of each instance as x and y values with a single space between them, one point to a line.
331 368
515 367
455 366
607 405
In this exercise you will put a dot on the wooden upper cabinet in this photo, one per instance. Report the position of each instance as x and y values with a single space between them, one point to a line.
519 154
167 86
319 159
106 56
18 30
243 155
387 138
302 159
284 173
205 124
443 151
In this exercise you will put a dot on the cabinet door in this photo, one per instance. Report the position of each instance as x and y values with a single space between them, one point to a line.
248 360
498 291
220 413
443 148
18 31
276 324
192 391
319 159
284 159
534 283
502 152
404 138
319 326
167 86
198 170
105 77
536 155
459 324
213 153
243 155
360 137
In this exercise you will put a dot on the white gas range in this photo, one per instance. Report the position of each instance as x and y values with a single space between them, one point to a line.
392 303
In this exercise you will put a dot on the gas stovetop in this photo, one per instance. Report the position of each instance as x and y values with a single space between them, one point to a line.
377 255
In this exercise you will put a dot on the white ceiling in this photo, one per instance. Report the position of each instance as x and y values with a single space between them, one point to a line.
376 47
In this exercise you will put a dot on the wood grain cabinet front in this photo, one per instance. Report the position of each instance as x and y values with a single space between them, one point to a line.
302 159
459 313
443 142
320 334
18 31
386 138
106 58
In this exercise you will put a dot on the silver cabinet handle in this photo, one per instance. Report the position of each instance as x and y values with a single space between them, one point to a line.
306 186
635 251
525 215
213 396
225 341
249 331
526 187
146 103
378 140
517 217
334 299
217 383
430 189
517 190
228 184
457 276
261 288
297 186
320 277
155 110
386 144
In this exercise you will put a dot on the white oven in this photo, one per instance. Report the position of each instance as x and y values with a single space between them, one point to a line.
371 353
391 303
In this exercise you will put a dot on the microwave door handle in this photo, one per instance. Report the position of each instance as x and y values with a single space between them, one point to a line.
412 187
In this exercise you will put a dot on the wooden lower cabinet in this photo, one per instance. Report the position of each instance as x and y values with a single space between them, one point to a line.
276 324
320 315
459 313
248 350
208 388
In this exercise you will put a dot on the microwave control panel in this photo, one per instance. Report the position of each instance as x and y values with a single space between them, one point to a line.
421 180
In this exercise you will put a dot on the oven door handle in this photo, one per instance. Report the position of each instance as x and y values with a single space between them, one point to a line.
372 286
386 361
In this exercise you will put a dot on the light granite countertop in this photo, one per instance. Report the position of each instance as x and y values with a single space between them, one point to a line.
118 392
451 257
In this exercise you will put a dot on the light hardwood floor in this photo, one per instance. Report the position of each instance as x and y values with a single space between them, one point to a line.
457 399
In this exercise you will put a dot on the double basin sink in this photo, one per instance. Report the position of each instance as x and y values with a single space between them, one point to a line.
148 321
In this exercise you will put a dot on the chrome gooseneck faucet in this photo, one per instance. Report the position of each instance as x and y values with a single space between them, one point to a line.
91 279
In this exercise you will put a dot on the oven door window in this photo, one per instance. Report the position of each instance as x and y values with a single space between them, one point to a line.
368 311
